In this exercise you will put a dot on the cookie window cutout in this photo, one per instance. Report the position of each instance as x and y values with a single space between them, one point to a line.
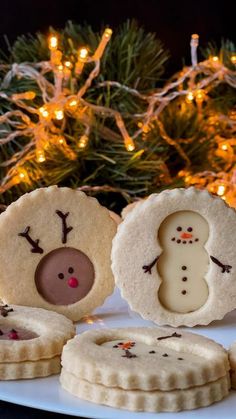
182 237
16 333
64 275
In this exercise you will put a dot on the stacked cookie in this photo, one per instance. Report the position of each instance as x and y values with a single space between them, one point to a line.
145 369
232 360
31 341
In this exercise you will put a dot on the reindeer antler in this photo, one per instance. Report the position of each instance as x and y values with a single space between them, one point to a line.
35 243
65 229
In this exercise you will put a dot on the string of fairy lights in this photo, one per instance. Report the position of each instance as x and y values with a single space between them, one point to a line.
45 125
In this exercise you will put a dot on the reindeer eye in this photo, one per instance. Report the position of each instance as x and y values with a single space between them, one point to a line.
190 229
61 275
70 270
179 229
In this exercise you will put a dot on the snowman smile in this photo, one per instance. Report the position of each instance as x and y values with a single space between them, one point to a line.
185 241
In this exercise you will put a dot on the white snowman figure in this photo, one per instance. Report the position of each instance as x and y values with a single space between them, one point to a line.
184 262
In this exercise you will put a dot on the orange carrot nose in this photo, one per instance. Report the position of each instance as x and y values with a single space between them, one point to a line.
186 236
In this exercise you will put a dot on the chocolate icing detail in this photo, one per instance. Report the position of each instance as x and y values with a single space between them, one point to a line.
64 290
129 354
174 335
34 243
225 268
65 230
4 310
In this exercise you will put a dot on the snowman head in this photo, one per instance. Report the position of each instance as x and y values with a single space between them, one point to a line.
183 228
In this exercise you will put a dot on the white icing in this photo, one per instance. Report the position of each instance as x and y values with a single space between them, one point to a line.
183 291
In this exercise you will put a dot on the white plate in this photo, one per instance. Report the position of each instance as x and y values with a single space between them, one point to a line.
46 393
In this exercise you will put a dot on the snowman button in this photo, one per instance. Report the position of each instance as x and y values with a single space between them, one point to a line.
184 278
184 292
184 268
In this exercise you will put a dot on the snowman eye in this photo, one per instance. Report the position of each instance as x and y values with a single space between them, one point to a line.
61 275
190 229
179 229
70 270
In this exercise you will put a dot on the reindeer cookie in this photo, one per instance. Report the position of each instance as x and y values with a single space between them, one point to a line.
31 341
56 253
173 258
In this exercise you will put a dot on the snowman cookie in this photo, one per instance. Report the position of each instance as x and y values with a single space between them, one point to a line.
174 258
31 341
56 253
153 369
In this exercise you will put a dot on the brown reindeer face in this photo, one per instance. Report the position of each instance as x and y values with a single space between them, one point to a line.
64 276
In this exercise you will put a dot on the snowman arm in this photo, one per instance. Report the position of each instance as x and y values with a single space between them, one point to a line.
225 268
148 268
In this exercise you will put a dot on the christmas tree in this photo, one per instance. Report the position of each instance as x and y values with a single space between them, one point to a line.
91 110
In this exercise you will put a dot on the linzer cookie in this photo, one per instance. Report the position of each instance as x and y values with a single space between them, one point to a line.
56 253
173 258
31 341
232 360
153 369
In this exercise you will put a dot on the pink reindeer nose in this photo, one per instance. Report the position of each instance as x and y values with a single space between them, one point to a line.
73 282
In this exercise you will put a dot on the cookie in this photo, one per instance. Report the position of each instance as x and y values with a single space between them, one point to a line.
149 401
56 252
31 341
145 359
173 258
30 369
128 208
232 360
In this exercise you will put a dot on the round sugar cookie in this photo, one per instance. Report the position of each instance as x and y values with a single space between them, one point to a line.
232 360
174 255
144 358
32 334
56 252
148 401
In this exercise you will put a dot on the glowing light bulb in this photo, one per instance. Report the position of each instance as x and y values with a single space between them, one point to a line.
129 144
83 141
40 156
53 42
215 58
108 32
233 59
200 95
68 64
189 97
59 114
224 147
22 174
60 68
82 54
44 112
220 190
72 103
61 140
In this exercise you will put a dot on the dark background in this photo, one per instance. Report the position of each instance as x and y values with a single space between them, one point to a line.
173 21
